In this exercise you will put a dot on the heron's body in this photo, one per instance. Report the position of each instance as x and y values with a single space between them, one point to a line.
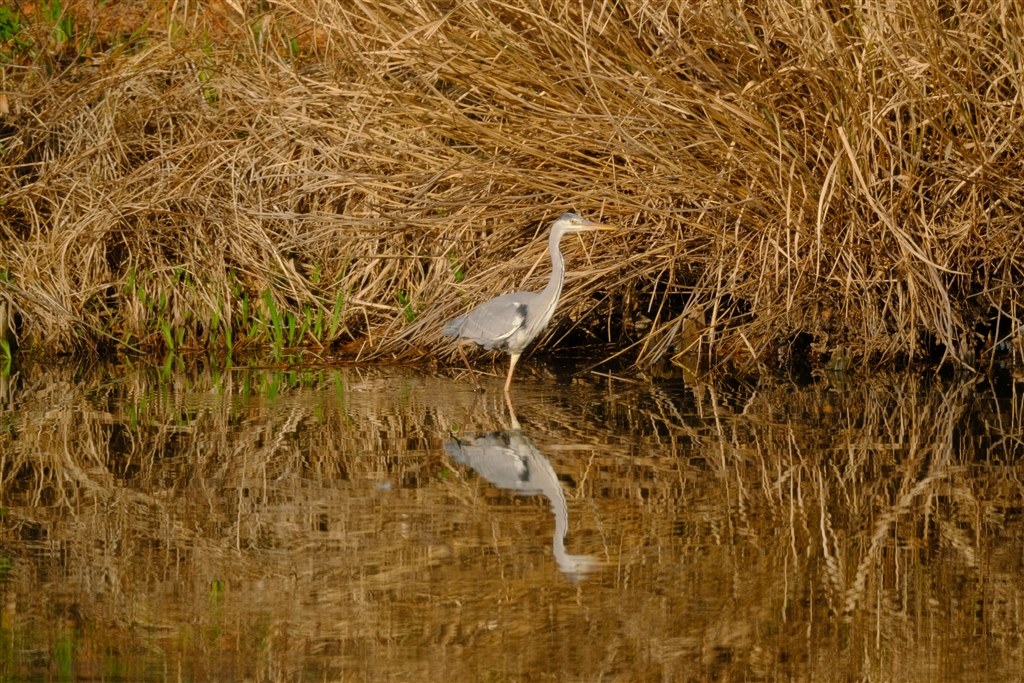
510 322
510 460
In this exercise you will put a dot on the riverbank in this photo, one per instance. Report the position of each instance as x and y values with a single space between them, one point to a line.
828 187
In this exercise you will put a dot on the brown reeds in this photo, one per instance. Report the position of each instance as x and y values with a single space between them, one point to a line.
796 181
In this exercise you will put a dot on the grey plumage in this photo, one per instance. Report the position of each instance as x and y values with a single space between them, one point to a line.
510 460
510 322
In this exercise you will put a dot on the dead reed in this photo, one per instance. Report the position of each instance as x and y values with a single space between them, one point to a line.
799 182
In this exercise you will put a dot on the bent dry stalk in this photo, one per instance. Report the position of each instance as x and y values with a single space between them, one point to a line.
749 205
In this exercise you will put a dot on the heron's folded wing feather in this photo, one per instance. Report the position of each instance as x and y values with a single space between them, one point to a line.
491 323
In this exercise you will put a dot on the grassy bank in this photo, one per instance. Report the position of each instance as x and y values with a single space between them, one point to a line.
791 183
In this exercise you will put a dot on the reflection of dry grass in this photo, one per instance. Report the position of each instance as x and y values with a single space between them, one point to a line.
250 526
846 178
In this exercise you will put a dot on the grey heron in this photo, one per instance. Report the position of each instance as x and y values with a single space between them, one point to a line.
510 459
511 321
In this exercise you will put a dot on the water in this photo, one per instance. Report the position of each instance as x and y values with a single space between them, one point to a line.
384 524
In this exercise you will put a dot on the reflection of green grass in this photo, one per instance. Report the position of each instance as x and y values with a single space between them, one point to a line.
63 653
216 602
216 592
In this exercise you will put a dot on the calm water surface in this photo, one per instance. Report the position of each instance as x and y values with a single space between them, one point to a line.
381 524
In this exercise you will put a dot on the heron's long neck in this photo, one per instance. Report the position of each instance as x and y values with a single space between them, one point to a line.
554 286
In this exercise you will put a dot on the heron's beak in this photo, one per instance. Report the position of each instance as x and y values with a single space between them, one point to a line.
599 226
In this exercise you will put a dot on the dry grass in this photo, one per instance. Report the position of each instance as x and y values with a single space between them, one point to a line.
347 176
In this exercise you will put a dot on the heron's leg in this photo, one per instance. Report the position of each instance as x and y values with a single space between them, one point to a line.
472 374
511 412
511 367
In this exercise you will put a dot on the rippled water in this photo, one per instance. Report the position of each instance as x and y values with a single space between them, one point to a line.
382 524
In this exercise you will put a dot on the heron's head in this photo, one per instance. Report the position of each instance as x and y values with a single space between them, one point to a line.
572 222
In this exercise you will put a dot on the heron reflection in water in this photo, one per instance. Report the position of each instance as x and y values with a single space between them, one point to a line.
511 321
510 460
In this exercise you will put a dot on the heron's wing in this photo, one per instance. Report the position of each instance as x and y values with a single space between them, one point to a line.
492 323
502 458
